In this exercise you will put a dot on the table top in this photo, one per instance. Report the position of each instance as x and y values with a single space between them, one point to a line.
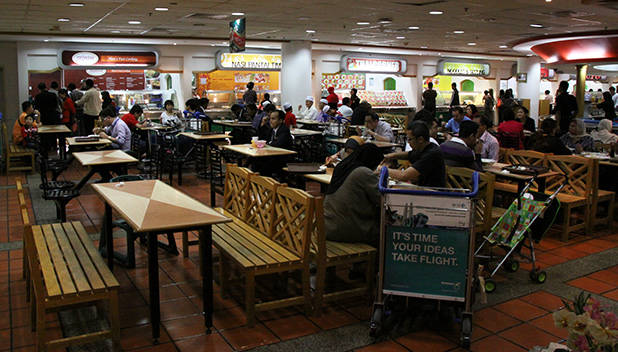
104 157
204 137
152 205
496 169
233 123
299 132
247 149
154 127
310 122
101 141
321 178
53 129
377 143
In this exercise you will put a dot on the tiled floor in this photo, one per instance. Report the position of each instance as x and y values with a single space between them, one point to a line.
515 325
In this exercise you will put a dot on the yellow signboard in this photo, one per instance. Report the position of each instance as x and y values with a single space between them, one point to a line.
221 80
440 83
455 68
248 61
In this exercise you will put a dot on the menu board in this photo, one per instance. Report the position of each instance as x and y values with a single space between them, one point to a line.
384 98
221 80
343 81
109 79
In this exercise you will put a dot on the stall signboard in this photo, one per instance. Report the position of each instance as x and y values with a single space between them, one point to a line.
236 81
101 59
440 83
548 73
109 79
459 68
248 61
373 64
237 35
343 81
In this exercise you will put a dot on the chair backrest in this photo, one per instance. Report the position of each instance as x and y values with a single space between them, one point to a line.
502 154
293 219
126 178
236 190
260 203
509 140
461 177
579 171
526 157
5 139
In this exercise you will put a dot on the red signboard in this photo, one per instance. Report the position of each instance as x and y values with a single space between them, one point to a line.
109 79
378 65
107 59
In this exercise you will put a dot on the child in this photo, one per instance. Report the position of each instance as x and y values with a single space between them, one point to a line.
28 132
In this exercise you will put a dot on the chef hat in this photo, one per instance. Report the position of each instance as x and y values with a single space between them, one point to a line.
309 98
326 108
346 112
324 101
287 106
266 102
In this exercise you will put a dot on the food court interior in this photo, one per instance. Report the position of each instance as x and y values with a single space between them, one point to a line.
313 176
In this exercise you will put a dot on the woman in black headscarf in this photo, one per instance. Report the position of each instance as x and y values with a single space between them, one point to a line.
352 204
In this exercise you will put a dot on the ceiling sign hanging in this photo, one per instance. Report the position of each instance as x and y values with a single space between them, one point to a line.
101 59
237 35
450 67
351 63
248 61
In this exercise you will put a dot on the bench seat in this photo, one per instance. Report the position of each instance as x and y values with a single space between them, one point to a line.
339 251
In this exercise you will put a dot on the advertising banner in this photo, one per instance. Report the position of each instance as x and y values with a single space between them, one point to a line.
76 59
230 80
373 64
237 35
460 68
248 61
343 81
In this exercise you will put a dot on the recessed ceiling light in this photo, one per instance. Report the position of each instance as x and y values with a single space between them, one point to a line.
401 37
46 40
362 23
63 20
135 22
238 13
174 43
115 31
161 9
471 44
310 31
423 47
76 4
529 54
385 21
547 0
458 32
503 47
436 12
413 27
536 25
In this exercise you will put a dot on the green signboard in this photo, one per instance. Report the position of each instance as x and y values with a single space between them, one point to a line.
426 262
451 68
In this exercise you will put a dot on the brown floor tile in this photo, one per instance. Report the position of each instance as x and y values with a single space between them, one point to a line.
493 320
273 314
479 333
333 317
607 276
528 336
520 309
134 316
245 338
544 300
229 318
426 341
139 336
586 248
591 285
385 346
549 259
166 347
612 295
185 327
495 343
5 339
292 327
204 343
177 308
546 323
567 252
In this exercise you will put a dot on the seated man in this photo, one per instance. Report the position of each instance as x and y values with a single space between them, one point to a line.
431 122
491 147
464 151
114 130
280 135
376 129
458 116
427 168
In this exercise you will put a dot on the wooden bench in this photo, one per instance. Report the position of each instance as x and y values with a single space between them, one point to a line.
25 218
66 270
601 196
16 154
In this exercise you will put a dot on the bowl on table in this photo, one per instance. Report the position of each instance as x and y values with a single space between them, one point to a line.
260 143
487 162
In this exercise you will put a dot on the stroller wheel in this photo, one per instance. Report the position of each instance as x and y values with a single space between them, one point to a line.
512 266
538 276
490 286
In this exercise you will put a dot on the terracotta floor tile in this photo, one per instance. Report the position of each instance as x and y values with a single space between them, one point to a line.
590 285
277 313
528 336
426 341
245 338
166 293
548 259
544 300
568 253
479 333
229 318
185 327
385 346
204 343
166 347
134 316
177 308
139 336
493 320
5 339
586 248
333 318
4 303
612 295
495 343
292 327
602 243
5 321
607 276
546 323
520 309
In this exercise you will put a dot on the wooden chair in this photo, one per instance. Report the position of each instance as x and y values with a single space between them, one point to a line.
502 154
66 270
23 207
235 190
600 196
21 157
460 177
576 194
261 199
524 157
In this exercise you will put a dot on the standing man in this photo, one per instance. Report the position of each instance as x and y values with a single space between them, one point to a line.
332 98
455 96
308 112
68 109
354 99
250 96
75 95
566 107
612 91
91 101
47 103
429 98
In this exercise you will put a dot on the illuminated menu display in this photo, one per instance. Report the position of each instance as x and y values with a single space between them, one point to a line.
107 59
109 79
248 61
377 65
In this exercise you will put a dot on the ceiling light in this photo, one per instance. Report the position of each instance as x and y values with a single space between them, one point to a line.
174 43
547 0
458 32
238 13
385 21
135 22
536 25
529 55
46 40
472 44
401 37
115 31
161 9
63 20
310 31
413 27
76 4
362 23
423 47
608 67
503 47
436 12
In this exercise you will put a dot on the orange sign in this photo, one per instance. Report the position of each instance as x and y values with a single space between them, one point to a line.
236 80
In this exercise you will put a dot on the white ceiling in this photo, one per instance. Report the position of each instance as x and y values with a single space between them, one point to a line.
488 23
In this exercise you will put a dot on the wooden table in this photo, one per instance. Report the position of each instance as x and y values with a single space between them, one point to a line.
248 150
299 132
59 130
203 141
311 122
233 124
322 179
205 137
153 207
101 161
496 169
75 145
379 144
154 127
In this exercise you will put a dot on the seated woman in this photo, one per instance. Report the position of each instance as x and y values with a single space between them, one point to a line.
577 138
171 118
510 131
604 134
546 141
349 147
521 114
352 203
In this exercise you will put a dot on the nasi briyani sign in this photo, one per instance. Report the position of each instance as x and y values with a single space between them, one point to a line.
458 68
248 61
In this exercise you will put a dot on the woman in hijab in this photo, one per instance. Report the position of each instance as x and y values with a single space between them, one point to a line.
348 148
604 134
608 106
577 138
352 203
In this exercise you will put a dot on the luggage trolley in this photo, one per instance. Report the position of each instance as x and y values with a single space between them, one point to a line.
426 248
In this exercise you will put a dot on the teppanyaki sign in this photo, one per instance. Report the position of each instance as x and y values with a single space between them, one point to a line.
112 59
460 68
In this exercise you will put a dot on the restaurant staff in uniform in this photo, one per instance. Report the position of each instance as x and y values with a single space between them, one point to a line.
308 112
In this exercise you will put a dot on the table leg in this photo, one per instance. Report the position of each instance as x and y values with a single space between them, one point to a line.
206 259
85 179
153 285
109 238
542 184
520 186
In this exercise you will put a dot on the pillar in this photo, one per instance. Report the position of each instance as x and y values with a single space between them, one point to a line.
580 88
531 88
295 72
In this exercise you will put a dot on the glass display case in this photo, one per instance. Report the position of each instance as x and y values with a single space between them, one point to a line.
147 99
224 99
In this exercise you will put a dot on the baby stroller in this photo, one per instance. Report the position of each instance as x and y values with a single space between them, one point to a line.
528 218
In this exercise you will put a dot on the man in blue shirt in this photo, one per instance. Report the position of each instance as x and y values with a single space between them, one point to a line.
115 130
455 121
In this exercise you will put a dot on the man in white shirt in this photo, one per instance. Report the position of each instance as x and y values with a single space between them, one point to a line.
92 105
345 110
308 112
612 91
